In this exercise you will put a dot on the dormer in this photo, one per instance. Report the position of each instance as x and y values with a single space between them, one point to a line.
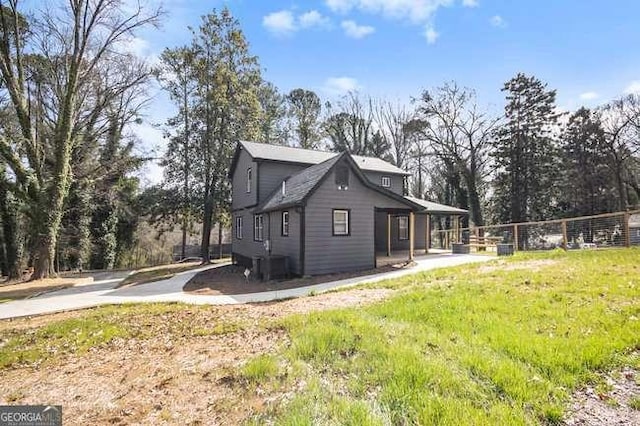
342 176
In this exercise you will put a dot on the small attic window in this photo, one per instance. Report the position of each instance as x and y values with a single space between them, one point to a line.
342 177
284 187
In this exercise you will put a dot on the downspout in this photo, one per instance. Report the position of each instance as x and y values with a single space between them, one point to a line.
302 240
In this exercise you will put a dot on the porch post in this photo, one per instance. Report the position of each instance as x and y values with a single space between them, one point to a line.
457 229
427 232
388 235
412 234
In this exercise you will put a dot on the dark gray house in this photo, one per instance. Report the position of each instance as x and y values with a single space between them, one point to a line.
325 212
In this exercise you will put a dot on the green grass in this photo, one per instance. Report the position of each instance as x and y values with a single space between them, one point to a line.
70 336
100 326
260 369
468 345
634 403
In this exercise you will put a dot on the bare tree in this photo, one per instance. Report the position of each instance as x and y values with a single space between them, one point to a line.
621 123
459 134
304 110
350 127
71 44
391 120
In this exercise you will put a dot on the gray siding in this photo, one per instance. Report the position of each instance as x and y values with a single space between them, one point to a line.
240 197
396 243
326 253
272 174
247 246
286 245
396 180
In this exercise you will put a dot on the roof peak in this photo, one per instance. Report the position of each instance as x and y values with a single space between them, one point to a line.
315 150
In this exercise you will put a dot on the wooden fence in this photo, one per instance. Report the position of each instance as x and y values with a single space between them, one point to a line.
619 229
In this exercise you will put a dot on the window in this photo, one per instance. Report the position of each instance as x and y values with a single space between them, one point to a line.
285 224
341 222
386 181
284 188
258 227
342 177
249 178
239 227
403 227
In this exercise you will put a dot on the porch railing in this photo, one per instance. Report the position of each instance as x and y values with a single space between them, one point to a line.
619 229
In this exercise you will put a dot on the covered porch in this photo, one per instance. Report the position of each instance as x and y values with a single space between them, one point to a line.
403 234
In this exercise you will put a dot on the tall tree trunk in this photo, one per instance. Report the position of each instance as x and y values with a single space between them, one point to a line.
10 246
206 228
474 200
183 251
220 240
51 208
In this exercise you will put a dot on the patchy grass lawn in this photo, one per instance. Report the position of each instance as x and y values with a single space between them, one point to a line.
157 273
507 342
470 345
23 290
151 363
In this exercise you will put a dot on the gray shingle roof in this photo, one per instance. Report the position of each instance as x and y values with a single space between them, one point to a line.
298 186
431 207
263 151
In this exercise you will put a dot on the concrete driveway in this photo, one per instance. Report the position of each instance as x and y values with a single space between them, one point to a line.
103 292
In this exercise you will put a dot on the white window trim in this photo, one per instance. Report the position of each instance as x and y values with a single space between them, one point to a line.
403 219
239 226
386 179
258 227
345 222
249 179
285 229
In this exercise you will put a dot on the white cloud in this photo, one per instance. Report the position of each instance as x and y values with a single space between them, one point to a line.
588 96
341 85
313 18
498 21
470 3
431 35
280 23
137 46
633 88
356 31
285 22
417 12
340 6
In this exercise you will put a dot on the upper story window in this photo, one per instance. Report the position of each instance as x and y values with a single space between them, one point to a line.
258 227
386 181
284 187
403 227
285 224
342 177
249 179
341 225
239 227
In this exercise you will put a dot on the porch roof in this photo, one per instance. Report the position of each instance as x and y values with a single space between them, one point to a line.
436 208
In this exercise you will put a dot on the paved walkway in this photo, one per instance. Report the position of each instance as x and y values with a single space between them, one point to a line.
104 292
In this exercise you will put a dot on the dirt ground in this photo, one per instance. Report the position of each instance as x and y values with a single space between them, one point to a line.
503 265
230 280
167 378
22 290
609 406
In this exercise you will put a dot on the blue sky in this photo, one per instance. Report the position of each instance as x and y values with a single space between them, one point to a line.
588 50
